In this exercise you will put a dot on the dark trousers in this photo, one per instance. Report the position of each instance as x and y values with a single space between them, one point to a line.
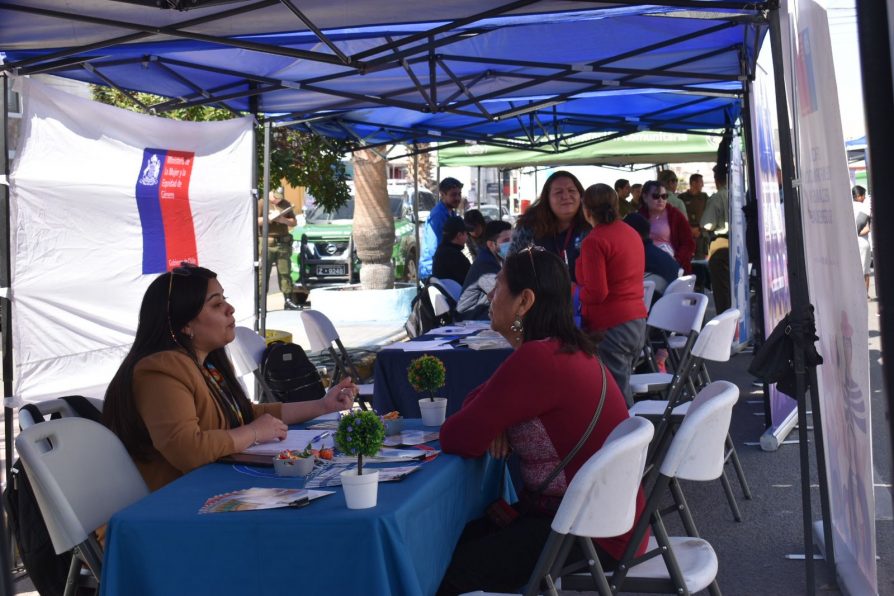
619 348
498 559
719 267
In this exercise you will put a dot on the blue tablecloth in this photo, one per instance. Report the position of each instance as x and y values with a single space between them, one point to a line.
466 369
161 545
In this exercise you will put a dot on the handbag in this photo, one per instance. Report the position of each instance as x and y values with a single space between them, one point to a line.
774 362
500 512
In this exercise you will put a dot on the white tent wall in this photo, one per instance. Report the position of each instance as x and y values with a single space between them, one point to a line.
76 237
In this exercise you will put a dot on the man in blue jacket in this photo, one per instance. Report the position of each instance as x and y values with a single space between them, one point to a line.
450 190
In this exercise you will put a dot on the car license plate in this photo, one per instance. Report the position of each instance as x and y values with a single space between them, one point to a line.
332 269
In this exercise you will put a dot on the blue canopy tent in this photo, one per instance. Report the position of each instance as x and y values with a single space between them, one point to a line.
524 74
492 72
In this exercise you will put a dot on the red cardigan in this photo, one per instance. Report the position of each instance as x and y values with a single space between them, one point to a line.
681 235
543 400
610 272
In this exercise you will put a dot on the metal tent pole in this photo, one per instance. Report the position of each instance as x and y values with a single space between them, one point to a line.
5 281
874 36
800 299
416 206
265 253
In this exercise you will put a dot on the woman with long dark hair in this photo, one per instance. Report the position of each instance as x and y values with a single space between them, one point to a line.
555 221
539 404
175 401
610 275
669 227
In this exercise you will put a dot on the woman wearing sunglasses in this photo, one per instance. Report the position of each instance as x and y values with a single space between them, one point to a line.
175 401
670 229
610 275
539 404
555 221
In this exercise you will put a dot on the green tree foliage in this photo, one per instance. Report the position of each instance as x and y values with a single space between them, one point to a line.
300 158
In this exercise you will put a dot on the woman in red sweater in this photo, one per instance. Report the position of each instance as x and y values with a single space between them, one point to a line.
610 273
538 404
669 227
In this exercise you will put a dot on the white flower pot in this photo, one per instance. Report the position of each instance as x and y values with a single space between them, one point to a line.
361 492
433 412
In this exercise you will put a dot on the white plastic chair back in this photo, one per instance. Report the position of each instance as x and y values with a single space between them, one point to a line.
320 330
246 351
80 479
698 449
715 341
648 293
679 312
451 286
601 499
681 284
438 302
54 406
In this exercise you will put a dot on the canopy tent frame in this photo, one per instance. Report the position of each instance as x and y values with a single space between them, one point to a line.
395 53
460 96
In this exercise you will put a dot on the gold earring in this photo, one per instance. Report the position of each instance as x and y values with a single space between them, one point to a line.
517 328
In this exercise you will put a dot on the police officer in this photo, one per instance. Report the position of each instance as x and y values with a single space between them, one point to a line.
279 242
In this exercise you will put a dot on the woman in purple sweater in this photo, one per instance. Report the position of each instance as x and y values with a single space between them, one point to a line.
538 404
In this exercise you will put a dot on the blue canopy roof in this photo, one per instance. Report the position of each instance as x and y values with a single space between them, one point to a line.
526 72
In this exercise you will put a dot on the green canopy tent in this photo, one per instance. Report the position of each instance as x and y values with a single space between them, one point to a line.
640 147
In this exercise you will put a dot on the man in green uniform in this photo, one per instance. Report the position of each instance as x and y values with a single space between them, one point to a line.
279 243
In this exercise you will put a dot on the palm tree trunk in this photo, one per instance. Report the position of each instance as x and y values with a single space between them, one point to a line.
373 222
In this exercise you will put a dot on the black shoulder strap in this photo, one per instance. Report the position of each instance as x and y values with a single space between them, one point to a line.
82 406
34 411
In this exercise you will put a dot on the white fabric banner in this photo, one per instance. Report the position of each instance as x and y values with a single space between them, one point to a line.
83 251
835 278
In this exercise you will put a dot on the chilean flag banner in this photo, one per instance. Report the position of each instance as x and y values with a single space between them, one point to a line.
102 201
169 236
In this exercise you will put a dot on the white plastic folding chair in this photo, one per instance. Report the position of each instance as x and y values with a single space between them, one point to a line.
685 283
681 565
81 475
714 344
680 313
438 301
324 338
648 293
600 502
53 407
246 353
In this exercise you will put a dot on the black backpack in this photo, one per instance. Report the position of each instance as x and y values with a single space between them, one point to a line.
422 314
289 374
48 571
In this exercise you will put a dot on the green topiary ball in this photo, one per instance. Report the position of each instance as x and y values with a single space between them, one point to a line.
360 433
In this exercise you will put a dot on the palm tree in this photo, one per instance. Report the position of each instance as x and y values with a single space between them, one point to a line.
373 222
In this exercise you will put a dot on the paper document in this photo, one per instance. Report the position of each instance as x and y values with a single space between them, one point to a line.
250 499
420 346
452 330
331 475
296 440
386 456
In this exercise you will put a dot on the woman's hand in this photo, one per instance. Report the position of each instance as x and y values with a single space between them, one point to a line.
267 428
499 447
341 396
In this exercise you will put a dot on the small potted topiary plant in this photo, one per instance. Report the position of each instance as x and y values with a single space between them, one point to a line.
427 374
360 433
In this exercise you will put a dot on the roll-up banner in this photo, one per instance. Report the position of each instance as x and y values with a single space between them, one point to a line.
738 254
774 262
102 201
837 290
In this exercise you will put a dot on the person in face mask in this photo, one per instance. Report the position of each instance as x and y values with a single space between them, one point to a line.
473 302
